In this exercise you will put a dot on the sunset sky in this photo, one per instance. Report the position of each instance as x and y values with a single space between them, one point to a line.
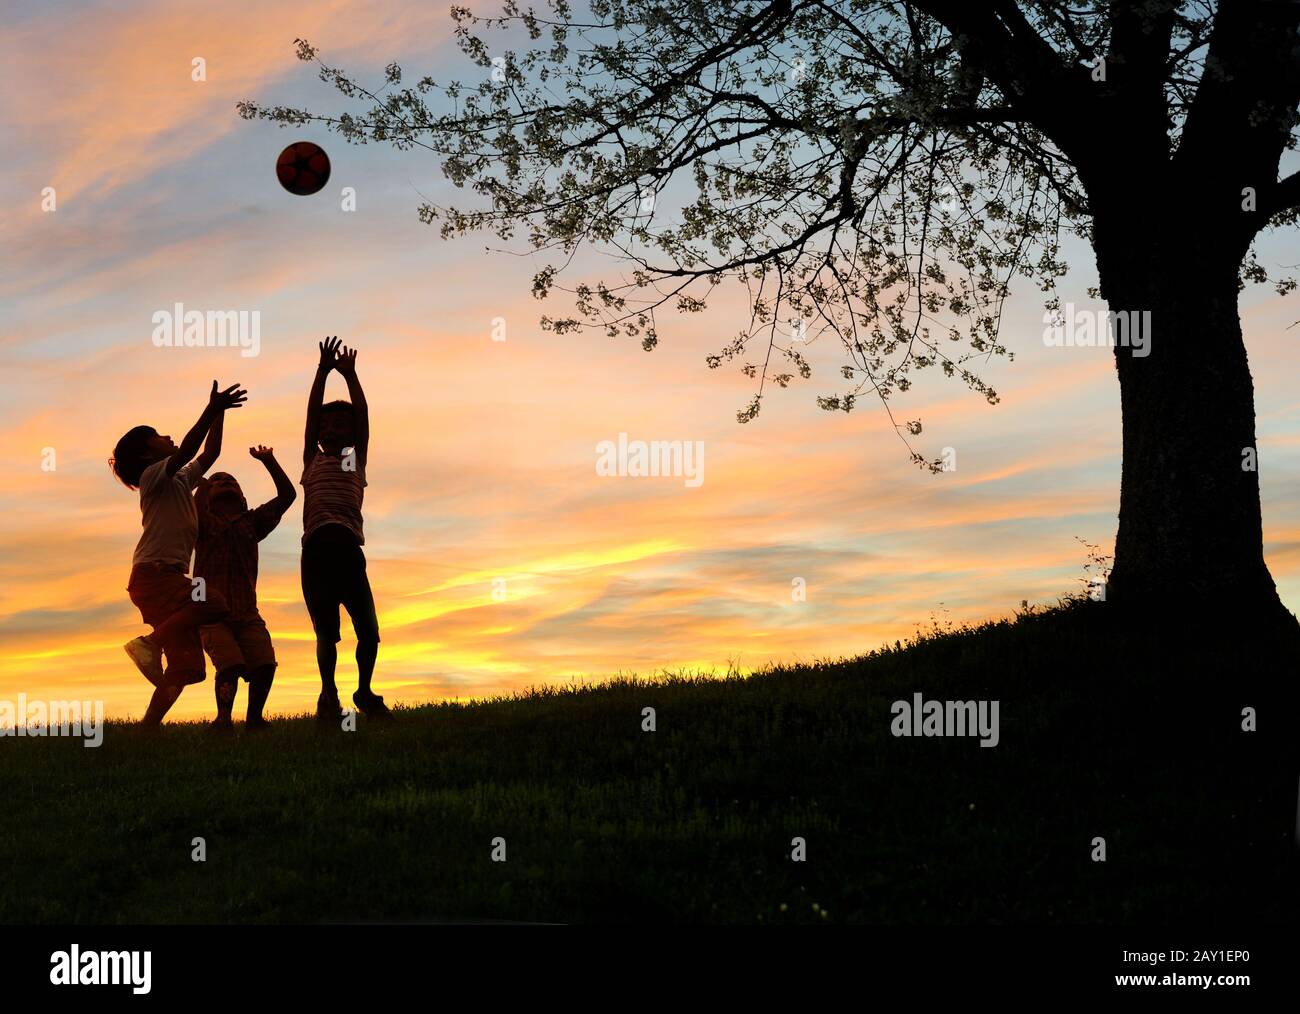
482 458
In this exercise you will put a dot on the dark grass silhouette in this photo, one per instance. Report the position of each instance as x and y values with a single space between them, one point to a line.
1103 733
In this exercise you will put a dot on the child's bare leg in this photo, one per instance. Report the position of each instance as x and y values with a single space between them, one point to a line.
360 604
367 652
227 686
259 688
161 702
327 658
193 615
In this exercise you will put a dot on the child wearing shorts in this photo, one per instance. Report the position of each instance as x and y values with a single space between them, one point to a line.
226 559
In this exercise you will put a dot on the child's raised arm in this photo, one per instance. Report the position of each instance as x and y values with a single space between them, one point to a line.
201 496
285 494
218 401
347 365
212 445
328 348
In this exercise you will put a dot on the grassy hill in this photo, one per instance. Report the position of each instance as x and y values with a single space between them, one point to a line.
1103 733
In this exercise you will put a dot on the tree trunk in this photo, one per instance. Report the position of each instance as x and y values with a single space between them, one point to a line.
1190 538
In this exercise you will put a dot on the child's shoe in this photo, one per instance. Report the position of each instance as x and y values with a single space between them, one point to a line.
371 705
256 725
328 709
222 723
147 657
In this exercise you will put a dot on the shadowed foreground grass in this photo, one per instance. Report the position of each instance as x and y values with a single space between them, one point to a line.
1100 736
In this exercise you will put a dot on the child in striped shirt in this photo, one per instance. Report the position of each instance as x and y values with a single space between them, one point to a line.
333 565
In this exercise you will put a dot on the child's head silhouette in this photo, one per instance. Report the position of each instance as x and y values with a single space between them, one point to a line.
337 427
225 495
139 448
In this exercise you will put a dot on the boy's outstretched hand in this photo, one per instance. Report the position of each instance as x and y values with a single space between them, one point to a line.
328 351
347 362
232 397
262 453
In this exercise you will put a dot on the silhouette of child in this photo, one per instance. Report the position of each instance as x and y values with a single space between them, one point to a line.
159 586
333 565
226 558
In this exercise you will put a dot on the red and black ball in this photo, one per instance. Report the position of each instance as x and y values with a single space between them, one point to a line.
303 168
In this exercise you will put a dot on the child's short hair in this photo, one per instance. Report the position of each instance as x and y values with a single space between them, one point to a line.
129 456
243 500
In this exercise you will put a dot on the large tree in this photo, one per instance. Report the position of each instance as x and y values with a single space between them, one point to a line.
881 172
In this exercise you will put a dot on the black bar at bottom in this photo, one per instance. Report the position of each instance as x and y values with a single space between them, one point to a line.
489 960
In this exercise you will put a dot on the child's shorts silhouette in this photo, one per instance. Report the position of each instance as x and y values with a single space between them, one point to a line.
160 590
334 575
244 642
